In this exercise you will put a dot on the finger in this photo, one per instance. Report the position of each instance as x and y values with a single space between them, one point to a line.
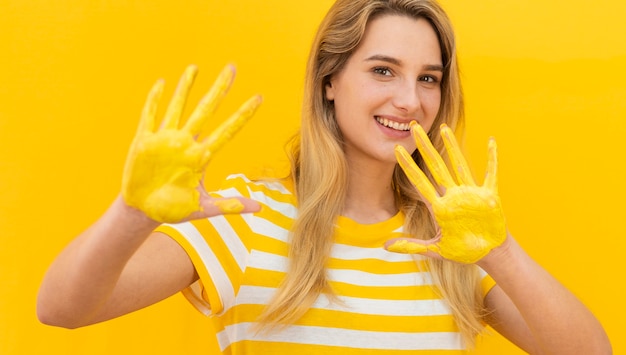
491 178
414 246
415 174
459 164
176 106
210 101
227 130
147 122
431 157
231 205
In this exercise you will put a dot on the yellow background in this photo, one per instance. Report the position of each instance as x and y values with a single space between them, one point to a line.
545 78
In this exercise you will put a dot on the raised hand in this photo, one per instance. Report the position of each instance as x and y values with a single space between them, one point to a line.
165 165
470 217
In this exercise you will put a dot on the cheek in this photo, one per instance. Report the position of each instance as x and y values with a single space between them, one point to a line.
352 101
431 103
409 145
344 117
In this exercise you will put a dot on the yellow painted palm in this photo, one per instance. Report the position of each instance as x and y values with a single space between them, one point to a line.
470 218
166 164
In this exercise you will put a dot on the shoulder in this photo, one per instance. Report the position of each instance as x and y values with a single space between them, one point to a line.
265 189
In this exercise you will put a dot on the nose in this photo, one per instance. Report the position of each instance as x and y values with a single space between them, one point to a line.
406 97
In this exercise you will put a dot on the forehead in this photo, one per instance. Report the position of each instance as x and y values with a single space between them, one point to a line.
405 38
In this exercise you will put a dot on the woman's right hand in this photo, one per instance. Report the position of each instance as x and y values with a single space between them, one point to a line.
162 183
165 165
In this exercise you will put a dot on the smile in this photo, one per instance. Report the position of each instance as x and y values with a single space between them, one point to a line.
392 124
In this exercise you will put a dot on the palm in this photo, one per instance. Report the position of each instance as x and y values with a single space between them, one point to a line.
471 223
470 217
165 167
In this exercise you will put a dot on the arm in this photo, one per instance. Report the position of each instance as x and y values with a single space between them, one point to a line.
529 306
115 267
535 311
118 265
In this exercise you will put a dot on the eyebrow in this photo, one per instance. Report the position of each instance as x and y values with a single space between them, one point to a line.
395 61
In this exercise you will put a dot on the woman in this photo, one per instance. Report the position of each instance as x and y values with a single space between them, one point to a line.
297 264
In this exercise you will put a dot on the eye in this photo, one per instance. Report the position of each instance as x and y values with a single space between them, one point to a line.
429 79
382 71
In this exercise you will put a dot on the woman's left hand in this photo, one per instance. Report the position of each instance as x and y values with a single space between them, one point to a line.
469 217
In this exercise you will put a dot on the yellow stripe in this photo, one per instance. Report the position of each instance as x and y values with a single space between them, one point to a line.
275 217
378 323
353 321
221 251
486 284
376 266
242 186
208 287
269 245
273 194
383 293
252 347
237 223
263 278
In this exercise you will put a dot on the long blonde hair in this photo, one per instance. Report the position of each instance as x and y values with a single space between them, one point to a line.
320 171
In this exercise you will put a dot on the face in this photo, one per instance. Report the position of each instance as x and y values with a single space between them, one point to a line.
391 79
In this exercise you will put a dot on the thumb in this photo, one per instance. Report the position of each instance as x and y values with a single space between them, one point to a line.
231 205
427 248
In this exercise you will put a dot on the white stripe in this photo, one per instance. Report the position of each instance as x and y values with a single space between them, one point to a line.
193 294
345 338
261 225
266 228
286 209
223 340
230 192
349 252
268 261
481 272
271 185
436 307
211 263
363 278
231 239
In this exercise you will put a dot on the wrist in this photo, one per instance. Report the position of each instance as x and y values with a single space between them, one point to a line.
131 217
500 256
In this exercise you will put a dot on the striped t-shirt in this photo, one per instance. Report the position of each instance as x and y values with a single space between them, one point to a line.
387 301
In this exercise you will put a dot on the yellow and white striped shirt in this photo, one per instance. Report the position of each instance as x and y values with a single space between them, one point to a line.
388 303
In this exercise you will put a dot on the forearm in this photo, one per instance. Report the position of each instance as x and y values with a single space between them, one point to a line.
558 321
84 275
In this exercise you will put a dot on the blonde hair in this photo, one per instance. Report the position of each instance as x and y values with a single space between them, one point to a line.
321 190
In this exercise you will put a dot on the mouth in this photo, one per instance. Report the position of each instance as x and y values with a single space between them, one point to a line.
393 124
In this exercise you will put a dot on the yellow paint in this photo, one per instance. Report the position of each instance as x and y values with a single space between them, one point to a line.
470 217
229 205
407 247
165 166
544 77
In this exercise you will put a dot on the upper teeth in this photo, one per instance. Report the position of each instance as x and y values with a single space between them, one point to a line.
392 124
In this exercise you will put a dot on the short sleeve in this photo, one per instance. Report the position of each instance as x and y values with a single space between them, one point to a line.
216 250
486 282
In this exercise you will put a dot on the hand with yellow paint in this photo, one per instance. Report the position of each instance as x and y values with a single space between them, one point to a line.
166 164
470 218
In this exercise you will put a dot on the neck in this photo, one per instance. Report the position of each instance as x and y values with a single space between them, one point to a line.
369 197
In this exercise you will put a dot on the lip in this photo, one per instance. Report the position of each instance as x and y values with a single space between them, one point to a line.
391 132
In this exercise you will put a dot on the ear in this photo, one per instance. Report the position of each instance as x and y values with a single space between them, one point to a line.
329 90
